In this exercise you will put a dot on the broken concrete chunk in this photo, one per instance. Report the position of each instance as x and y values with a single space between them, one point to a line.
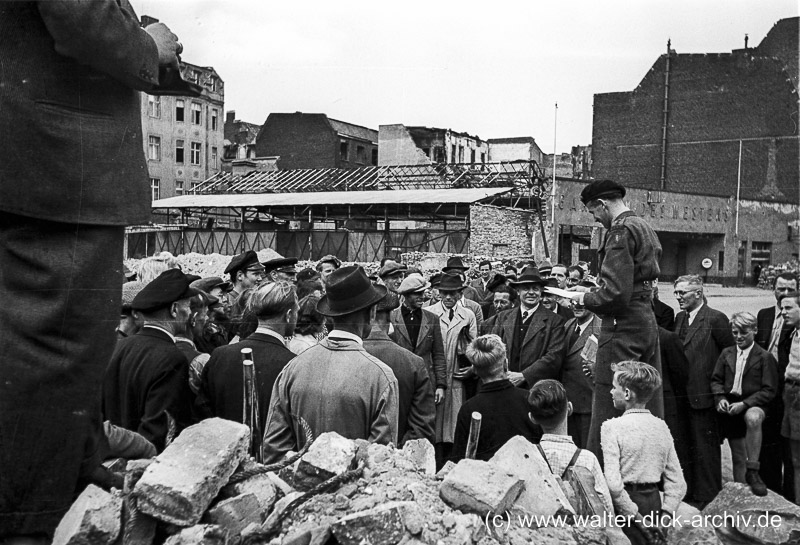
93 519
446 468
543 494
318 535
259 485
138 529
202 534
280 507
422 454
383 525
134 471
235 514
480 487
283 487
330 455
179 486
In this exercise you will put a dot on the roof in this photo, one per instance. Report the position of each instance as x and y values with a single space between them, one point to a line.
408 196
513 140
355 131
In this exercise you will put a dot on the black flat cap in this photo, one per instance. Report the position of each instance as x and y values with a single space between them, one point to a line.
600 189
242 262
281 264
208 284
170 286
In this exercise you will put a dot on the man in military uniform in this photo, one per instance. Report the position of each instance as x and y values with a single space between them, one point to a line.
281 269
245 271
628 260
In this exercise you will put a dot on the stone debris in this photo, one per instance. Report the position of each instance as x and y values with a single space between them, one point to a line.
202 534
179 486
235 514
94 519
396 498
329 455
481 487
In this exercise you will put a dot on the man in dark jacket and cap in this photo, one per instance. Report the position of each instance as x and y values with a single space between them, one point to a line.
147 380
628 261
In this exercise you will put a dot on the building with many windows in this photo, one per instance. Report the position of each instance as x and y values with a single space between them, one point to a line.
183 136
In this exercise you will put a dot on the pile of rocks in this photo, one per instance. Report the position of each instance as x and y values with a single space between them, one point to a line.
203 490
205 265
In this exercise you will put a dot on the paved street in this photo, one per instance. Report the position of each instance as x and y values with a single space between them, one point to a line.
726 300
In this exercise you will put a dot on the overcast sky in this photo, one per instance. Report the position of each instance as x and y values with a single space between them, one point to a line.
493 69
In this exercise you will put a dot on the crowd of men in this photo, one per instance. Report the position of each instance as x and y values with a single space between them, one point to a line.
386 359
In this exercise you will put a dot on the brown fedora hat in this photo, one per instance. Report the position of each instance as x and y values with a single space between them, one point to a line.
454 264
349 290
529 276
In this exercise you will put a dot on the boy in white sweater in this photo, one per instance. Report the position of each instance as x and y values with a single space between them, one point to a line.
639 455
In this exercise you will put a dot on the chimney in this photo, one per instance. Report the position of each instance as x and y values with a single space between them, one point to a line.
746 37
230 116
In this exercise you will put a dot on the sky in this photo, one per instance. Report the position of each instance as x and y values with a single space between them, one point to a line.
493 69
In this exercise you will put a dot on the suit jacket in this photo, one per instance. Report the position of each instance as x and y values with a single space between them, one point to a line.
578 386
476 310
80 157
417 410
665 316
675 376
542 350
759 380
221 391
706 338
334 386
147 377
430 346
765 320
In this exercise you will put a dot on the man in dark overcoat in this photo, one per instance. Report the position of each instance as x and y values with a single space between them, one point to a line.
73 175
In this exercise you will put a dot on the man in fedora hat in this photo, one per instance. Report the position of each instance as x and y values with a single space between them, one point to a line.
336 385
628 262
534 336
416 407
459 327
417 329
245 271
456 265
147 379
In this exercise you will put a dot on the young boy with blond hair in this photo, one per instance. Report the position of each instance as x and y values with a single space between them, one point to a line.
639 454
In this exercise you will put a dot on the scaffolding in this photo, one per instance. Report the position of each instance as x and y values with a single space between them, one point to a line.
523 175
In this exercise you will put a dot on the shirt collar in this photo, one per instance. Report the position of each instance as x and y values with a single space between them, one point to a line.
406 310
339 334
693 313
267 331
745 352
530 311
159 328
185 340
557 438
634 411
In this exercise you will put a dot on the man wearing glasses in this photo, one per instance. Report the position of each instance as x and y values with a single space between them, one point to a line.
704 332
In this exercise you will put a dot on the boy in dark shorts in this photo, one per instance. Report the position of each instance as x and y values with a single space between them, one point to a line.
744 382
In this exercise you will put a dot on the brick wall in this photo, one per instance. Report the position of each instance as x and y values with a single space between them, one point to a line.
301 141
499 232
715 100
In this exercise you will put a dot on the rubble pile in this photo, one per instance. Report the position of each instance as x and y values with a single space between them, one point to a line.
204 490
205 265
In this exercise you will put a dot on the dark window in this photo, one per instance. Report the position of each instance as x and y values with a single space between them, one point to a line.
374 157
197 111
179 151
453 153
214 116
361 155
195 153
472 157
438 154
343 150
721 261
179 105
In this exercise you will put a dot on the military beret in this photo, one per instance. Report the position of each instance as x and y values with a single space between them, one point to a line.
170 286
242 262
599 189
282 264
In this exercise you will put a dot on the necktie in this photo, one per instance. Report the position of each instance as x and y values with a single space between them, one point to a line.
776 333
575 334
452 313
525 315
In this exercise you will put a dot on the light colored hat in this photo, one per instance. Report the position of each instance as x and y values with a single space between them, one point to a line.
129 291
413 283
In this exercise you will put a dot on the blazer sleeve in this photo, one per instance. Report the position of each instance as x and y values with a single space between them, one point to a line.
614 294
439 361
384 422
718 377
769 383
422 412
279 436
105 35
168 394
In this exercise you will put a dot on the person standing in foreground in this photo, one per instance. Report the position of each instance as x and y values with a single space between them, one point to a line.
336 385
628 261
71 76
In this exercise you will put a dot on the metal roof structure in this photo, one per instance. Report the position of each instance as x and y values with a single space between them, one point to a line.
515 174
333 198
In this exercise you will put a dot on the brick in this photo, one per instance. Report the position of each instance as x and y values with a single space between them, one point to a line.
543 494
261 486
480 487
235 514
383 525
329 455
421 452
93 519
179 486
202 534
